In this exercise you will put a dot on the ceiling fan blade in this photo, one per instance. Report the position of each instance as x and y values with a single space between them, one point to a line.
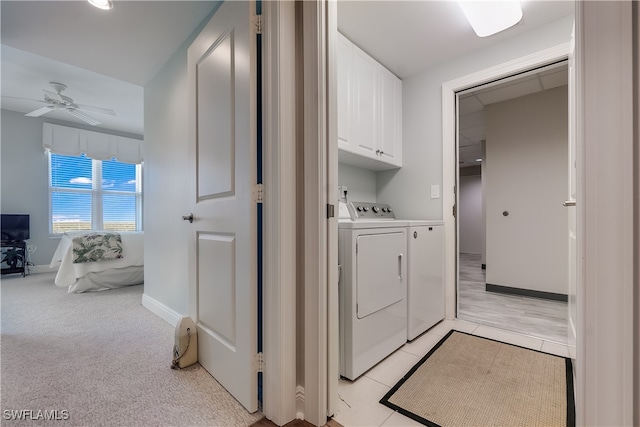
82 116
40 111
53 95
25 99
96 109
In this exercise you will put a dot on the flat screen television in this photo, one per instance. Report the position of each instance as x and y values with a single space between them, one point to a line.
14 227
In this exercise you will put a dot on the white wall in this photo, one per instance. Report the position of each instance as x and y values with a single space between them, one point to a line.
470 220
361 183
166 190
408 189
526 175
166 178
25 176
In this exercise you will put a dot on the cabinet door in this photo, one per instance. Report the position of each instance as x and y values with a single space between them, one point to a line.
345 76
364 129
390 137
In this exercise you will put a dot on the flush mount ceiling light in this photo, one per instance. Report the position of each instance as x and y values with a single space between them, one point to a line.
491 17
102 4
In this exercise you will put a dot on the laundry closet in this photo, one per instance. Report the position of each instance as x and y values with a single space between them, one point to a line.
391 286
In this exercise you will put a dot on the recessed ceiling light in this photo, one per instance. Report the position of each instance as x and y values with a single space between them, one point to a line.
478 160
491 17
102 4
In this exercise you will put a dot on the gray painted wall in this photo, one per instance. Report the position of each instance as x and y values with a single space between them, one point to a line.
470 220
526 174
25 176
25 180
166 182
166 190
408 188
361 183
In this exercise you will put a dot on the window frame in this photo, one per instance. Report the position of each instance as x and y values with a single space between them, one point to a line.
97 193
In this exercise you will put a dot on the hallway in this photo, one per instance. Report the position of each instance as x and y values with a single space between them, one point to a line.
541 318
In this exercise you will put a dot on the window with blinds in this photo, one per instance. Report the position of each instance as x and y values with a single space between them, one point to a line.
87 194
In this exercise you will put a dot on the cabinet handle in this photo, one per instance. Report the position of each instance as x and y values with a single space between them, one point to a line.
400 266
378 152
381 152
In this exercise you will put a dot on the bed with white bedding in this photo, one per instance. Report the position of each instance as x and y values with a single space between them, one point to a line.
97 261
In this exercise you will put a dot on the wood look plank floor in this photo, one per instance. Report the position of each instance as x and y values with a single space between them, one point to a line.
536 317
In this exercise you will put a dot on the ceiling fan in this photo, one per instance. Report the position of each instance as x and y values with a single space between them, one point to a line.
57 101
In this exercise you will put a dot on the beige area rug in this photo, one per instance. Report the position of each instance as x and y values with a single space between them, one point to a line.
472 381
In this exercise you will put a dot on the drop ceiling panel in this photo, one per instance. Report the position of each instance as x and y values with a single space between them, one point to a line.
475 133
474 119
469 104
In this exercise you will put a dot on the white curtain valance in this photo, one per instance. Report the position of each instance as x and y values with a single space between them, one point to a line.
95 145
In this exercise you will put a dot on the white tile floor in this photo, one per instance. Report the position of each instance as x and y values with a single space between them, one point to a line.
359 400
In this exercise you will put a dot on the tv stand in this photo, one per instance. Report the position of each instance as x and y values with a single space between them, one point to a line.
14 257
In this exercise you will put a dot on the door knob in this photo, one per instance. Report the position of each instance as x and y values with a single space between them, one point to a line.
188 217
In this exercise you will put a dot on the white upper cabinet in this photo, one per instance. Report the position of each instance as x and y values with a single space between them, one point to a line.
365 112
390 141
369 110
345 78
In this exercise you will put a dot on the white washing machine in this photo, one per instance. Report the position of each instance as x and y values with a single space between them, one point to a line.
373 286
425 273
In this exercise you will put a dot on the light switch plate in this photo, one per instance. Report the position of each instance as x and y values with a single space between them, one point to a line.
435 191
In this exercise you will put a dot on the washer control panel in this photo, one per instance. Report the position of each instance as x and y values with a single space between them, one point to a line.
364 210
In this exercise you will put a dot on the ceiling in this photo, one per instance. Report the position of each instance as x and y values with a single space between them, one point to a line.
471 106
107 57
104 57
409 37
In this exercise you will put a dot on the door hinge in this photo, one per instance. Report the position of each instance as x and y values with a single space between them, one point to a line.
454 211
257 23
259 362
257 193
330 210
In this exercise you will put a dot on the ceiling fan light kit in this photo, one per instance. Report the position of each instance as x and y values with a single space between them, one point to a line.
102 4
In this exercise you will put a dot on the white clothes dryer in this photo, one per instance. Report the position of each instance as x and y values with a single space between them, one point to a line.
373 286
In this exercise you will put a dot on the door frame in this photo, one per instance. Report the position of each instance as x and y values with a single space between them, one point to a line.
279 104
298 43
608 238
449 145
608 243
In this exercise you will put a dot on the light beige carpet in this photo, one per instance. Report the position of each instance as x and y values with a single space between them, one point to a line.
103 359
472 381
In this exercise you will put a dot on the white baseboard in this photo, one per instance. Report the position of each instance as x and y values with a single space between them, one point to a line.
300 402
160 310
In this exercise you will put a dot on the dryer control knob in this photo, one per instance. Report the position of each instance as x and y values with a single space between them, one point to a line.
375 209
359 208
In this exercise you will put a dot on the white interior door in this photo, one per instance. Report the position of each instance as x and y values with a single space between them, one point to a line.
222 255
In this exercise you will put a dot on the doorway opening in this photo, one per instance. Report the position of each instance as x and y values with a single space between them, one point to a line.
511 181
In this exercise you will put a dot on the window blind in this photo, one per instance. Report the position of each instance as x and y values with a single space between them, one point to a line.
70 141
